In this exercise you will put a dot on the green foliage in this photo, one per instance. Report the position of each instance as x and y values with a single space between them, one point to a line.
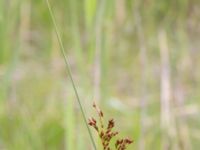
90 11
37 103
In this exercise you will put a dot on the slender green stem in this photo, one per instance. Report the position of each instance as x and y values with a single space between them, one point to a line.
68 69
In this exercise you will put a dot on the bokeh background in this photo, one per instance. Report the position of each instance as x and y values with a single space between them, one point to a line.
138 59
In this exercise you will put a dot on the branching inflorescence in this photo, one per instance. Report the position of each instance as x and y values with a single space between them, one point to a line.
106 133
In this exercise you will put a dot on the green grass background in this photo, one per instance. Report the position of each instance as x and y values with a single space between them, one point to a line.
103 40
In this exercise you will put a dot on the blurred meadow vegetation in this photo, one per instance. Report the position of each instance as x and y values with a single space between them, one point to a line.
139 59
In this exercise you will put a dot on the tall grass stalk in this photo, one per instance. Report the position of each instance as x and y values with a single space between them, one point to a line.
8 58
74 18
68 69
98 51
143 63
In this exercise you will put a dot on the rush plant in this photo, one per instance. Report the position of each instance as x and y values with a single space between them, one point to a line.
106 133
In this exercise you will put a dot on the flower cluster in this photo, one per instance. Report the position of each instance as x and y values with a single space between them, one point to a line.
106 134
122 144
